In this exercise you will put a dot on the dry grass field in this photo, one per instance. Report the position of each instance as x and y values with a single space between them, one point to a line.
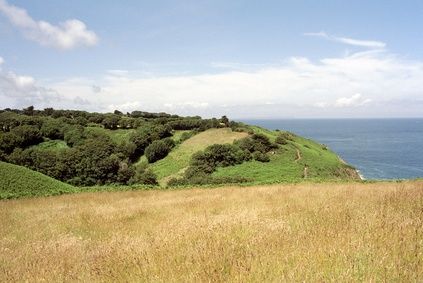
307 232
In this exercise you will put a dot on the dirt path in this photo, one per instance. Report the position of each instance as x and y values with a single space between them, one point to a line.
298 155
305 172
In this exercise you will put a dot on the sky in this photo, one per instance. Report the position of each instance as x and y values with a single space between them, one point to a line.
244 59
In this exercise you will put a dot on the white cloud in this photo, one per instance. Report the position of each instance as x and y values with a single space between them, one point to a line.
20 82
349 41
327 87
127 106
352 101
1 60
331 87
20 91
355 100
67 35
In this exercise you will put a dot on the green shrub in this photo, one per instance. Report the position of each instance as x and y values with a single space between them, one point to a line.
206 180
125 173
259 156
143 176
74 135
157 150
169 142
219 155
52 129
186 135
257 142
27 135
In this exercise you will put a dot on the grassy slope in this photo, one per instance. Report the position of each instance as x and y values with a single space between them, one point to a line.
17 181
290 233
283 167
178 159
52 145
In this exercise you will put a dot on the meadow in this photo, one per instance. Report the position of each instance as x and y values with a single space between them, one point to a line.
300 232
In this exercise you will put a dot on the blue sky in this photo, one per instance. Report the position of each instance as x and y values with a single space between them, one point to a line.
245 59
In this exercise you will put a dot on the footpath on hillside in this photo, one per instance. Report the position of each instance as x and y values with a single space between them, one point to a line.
298 158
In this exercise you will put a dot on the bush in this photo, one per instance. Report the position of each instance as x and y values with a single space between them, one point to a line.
127 150
259 156
125 173
257 142
27 135
157 150
217 155
186 135
281 140
74 135
141 138
169 142
111 121
52 129
143 176
287 136
8 142
206 180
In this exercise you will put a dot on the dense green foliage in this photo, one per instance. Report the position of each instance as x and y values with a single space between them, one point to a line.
158 149
86 149
289 162
141 148
18 181
204 163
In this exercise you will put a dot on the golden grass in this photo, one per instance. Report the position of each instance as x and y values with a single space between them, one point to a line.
306 232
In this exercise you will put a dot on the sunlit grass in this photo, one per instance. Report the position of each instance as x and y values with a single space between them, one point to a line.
179 158
306 232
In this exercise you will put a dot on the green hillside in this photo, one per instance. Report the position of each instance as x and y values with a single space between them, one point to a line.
299 159
178 159
17 181
136 149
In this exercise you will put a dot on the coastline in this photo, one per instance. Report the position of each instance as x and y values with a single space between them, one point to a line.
360 175
356 170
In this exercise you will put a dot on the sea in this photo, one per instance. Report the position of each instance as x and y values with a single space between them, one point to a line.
378 148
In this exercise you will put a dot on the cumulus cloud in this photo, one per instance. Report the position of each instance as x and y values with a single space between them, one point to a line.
67 35
349 41
355 100
346 86
18 91
328 87
352 101
1 61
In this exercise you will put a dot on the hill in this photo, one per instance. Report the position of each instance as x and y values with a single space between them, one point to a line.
157 149
356 232
178 159
298 159
17 181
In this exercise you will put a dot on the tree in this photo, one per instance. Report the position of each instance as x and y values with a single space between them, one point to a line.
111 122
74 135
28 111
143 176
27 135
141 138
157 150
52 129
225 121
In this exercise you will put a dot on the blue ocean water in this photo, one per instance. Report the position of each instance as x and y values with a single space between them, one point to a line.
378 148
